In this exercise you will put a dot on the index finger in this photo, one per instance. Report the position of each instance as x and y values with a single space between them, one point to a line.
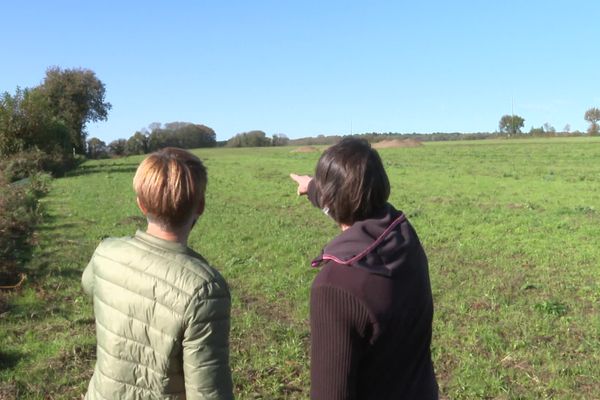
295 177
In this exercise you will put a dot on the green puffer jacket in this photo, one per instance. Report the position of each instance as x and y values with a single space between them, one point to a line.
162 322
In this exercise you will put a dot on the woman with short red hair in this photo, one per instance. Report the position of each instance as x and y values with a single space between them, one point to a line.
162 312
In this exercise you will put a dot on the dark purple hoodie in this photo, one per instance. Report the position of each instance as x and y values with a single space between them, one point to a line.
371 312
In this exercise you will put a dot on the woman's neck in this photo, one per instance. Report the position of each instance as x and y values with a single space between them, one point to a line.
180 236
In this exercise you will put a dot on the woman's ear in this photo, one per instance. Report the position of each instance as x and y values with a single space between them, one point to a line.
141 206
201 206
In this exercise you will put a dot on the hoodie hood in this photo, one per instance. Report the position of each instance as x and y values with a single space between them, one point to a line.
379 245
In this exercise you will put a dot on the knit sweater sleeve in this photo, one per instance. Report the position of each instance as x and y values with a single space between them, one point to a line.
338 323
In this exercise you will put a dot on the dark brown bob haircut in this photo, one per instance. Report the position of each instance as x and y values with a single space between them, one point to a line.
170 184
351 181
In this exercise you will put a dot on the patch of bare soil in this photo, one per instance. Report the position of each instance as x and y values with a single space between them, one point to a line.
305 149
386 144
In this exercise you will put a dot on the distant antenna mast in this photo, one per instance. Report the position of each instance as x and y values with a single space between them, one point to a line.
512 106
512 115
350 127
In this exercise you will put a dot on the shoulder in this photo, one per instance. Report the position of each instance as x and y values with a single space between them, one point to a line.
340 276
197 265
111 248
347 283
111 245
187 271
342 283
211 297
194 274
208 280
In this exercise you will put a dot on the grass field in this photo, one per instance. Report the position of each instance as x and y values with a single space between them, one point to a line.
510 228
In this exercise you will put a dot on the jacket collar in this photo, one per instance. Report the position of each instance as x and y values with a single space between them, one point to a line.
377 244
161 243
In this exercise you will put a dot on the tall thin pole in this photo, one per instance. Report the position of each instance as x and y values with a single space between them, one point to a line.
512 115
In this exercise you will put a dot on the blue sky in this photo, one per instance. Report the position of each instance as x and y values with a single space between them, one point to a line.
305 68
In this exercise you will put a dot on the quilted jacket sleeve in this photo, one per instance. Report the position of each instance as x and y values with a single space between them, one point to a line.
206 344
87 279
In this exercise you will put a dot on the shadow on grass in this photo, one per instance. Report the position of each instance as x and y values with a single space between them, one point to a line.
103 169
9 359
58 227
40 270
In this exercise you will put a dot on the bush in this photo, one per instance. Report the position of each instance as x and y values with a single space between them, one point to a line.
19 213
22 183
28 163
21 165
59 163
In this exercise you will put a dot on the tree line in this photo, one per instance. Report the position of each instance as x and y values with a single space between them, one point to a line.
50 120
44 127
185 135
511 125
257 139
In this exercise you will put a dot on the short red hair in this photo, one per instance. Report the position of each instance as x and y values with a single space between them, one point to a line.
170 184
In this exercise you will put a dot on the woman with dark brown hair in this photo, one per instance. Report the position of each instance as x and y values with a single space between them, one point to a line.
371 306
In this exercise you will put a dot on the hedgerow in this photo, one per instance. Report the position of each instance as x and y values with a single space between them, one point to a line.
19 213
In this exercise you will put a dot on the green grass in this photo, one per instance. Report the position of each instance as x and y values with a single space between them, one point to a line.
510 228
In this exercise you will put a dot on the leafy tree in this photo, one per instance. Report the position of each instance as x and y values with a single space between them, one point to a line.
511 124
96 148
154 126
117 147
592 116
549 129
181 134
536 131
44 130
76 96
280 139
137 144
192 136
11 123
27 123
567 129
249 139
160 138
